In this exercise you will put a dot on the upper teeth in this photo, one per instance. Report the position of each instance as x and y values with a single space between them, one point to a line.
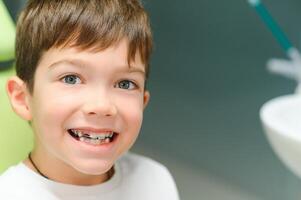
93 135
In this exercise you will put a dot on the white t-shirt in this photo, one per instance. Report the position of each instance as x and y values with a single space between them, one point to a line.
135 177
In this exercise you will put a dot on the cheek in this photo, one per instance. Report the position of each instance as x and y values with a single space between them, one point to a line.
132 112
52 108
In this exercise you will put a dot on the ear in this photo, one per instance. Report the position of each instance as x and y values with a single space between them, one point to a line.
146 98
18 97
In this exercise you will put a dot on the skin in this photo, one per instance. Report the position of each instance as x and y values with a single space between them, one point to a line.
75 89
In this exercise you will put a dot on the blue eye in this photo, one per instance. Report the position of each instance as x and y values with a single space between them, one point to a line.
127 85
71 79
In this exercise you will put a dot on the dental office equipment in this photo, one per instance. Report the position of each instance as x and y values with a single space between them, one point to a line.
289 68
281 116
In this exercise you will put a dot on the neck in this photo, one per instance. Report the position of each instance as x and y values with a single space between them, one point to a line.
35 166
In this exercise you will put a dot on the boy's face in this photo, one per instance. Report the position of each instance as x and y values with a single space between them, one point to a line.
78 95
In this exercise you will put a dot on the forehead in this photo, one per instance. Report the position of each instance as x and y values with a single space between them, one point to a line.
115 55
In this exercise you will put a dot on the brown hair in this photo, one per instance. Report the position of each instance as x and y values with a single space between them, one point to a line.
89 25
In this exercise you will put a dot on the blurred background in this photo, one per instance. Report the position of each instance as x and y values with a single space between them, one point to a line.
208 81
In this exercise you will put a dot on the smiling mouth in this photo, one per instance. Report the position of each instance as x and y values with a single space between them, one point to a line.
93 138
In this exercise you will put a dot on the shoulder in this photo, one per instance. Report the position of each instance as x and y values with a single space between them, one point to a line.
148 175
8 176
9 182
18 183
132 164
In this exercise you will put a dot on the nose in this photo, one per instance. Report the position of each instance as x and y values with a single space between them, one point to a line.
100 104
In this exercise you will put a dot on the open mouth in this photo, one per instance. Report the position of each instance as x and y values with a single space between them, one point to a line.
92 138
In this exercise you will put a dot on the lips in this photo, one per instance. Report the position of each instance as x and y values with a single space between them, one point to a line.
94 137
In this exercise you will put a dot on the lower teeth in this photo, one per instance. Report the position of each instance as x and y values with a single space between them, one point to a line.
92 141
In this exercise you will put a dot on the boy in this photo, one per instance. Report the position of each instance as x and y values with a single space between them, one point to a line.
81 73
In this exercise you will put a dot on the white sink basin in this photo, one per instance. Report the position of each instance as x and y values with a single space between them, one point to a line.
281 119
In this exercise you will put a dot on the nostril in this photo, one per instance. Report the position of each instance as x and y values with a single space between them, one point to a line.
100 109
92 113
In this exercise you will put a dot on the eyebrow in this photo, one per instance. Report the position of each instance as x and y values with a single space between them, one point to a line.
80 63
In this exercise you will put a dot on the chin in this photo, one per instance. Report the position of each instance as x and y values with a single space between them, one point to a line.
94 168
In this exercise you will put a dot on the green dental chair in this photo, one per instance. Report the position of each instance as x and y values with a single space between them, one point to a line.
16 135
